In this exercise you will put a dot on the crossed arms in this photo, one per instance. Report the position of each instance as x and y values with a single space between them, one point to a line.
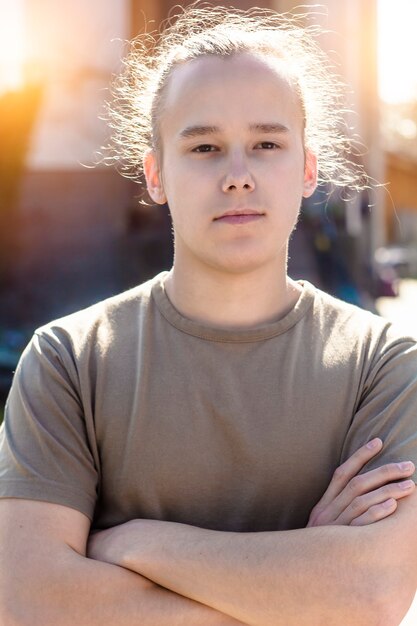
355 563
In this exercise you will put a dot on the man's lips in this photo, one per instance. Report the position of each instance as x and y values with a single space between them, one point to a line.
239 216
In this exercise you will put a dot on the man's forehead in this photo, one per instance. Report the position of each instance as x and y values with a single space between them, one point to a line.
213 69
203 92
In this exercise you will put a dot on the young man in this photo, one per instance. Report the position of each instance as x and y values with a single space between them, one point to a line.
221 445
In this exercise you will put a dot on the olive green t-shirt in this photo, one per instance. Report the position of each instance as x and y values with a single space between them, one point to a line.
130 410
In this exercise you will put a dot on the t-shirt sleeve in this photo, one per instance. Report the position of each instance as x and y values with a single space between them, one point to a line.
387 406
45 445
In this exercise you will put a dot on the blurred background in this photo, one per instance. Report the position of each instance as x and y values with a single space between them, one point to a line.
72 233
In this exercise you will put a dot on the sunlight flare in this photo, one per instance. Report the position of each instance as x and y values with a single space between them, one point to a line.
12 44
397 50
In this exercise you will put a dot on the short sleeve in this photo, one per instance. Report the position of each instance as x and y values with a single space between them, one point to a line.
387 406
45 452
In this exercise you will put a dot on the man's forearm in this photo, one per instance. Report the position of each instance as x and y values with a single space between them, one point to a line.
67 589
343 569
304 577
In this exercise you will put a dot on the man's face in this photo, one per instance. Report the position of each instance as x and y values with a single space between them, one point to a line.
233 167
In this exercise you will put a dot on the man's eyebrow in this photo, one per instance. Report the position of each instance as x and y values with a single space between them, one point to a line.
273 127
199 130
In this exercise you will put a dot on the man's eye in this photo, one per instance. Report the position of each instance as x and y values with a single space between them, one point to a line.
267 145
205 147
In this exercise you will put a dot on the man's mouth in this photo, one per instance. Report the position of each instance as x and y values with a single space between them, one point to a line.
239 216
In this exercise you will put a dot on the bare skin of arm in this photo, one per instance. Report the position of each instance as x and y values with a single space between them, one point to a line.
344 569
45 578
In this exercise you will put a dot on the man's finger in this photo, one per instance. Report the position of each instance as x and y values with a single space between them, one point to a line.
367 502
369 482
362 491
376 513
350 468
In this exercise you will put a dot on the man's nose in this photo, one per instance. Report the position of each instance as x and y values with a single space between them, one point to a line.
238 177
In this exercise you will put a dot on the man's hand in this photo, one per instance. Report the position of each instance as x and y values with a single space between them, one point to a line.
354 499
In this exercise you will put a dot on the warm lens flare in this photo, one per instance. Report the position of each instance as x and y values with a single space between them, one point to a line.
397 50
12 44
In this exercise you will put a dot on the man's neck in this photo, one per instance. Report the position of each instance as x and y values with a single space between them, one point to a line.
233 301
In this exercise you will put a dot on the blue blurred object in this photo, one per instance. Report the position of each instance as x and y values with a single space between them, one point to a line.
12 343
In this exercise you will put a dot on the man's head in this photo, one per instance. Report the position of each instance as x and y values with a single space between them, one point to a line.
230 112
231 161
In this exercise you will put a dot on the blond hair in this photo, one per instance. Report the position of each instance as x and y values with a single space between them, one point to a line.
201 30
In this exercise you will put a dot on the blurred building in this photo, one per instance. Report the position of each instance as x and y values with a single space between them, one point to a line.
400 143
402 211
71 212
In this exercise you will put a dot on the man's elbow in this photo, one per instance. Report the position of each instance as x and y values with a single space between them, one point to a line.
379 593
394 597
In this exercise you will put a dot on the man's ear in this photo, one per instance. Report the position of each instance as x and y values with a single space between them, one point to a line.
153 177
310 174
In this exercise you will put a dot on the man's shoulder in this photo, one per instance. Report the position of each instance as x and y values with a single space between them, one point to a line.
355 325
100 323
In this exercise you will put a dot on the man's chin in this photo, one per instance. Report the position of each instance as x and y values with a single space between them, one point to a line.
241 266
